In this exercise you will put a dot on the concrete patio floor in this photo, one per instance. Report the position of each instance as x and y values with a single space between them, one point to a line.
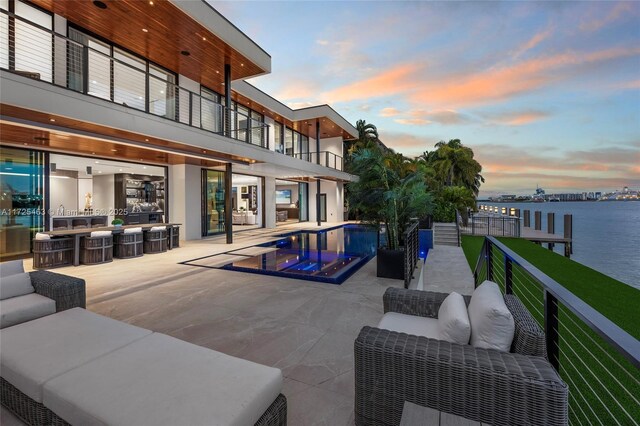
306 329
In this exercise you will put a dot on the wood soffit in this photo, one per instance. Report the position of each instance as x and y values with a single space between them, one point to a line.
169 32
145 150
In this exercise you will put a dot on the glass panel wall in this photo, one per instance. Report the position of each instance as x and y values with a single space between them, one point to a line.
211 111
257 131
277 128
303 201
214 196
129 80
33 46
288 141
4 35
162 96
22 190
241 120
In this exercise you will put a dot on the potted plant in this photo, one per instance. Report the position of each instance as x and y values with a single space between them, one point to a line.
117 222
387 195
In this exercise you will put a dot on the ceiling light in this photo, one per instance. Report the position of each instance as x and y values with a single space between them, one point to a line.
99 4
242 65
144 167
97 162
114 150
119 170
52 120
151 3
146 140
25 144
217 72
145 30
204 39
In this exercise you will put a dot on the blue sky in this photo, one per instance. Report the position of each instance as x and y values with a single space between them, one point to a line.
546 93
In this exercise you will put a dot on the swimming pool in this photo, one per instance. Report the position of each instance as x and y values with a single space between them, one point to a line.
330 256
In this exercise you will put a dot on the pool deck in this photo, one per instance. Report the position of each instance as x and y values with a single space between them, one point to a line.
305 328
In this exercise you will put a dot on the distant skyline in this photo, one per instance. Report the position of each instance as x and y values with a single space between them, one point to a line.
545 93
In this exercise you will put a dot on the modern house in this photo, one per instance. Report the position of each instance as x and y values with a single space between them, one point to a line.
140 110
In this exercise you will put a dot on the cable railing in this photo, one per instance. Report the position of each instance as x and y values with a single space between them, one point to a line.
501 226
411 249
34 51
324 158
598 360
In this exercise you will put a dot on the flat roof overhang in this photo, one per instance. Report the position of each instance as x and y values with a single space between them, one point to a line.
302 120
172 27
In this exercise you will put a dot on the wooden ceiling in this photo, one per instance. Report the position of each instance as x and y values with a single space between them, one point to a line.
169 32
128 145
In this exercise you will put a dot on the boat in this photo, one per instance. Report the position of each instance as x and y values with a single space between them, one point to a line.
538 197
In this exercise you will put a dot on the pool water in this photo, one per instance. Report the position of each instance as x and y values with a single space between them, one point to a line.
330 256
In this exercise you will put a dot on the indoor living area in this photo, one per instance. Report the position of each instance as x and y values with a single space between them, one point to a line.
292 202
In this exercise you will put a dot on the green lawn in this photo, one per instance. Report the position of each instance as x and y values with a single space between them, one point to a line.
602 383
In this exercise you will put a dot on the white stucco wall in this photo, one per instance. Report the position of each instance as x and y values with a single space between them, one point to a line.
270 202
185 200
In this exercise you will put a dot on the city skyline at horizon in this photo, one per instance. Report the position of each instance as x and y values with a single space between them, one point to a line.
544 93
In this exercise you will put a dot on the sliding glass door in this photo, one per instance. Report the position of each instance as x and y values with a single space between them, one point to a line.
303 201
213 197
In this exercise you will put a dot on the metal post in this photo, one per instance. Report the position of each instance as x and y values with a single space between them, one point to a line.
508 276
190 108
85 69
227 100
551 227
318 181
568 234
489 257
538 220
527 218
247 136
551 328
228 206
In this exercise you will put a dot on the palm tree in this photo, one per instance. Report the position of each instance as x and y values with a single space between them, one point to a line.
366 131
455 165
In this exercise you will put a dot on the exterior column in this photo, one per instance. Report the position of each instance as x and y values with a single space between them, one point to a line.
228 207
227 99
318 181
269 196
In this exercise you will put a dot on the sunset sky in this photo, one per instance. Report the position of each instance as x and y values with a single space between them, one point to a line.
545 93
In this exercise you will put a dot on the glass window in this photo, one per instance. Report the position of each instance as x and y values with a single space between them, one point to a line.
214 200
211 110
33 46
21 200
257 129
242 122
4 35
162 93
288 141
129 80
279 146
304 147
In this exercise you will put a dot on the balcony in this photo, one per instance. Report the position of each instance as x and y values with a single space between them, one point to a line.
111 74
326 159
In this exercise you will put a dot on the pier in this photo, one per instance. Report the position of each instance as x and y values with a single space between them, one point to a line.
512 222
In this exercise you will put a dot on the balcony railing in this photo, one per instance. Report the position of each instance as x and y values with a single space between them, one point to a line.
37 52
597 359
327 159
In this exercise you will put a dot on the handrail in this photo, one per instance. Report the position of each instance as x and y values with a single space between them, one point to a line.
411 249
624 343
327 158
252 129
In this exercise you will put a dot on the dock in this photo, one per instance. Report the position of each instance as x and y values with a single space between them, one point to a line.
516 223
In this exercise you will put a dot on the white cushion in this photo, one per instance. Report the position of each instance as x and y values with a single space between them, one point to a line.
158 228
410 324
42 236
20 309
11 268
492 325
135 230
160 380
453 320
15 285
100 233
37 351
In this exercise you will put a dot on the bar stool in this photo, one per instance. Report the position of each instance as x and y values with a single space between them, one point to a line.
128 244
155 240
80 223
52 253
60 224
175 233
96 249
98 222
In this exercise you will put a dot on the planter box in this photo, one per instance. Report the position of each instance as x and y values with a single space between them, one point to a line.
390 264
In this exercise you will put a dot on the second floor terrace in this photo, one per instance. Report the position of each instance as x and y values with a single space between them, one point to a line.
32 45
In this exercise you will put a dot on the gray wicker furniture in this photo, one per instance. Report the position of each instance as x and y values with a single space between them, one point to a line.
68 292
126 245
95 367
52 253
155 241
520 387
96 250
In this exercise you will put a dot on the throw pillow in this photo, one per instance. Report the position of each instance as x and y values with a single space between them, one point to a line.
453 320
492 325
15 285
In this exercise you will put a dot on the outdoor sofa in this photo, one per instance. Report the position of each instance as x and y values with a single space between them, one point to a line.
27 296
519 387
80 368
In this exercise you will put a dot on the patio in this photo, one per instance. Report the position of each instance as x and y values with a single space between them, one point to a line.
307 329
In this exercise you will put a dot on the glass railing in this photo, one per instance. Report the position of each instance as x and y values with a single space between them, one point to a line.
327 159
37 52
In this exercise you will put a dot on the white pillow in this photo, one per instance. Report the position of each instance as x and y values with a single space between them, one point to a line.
101 233
492 325
135 230
42 236
11 268
158 228
453 320
15 285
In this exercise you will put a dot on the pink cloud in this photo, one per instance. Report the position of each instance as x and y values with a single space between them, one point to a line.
533 41
389 112
518 118
412 121
619 10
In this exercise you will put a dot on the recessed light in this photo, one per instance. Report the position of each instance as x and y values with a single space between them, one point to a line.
99 171
185 52
99 4
25 144
114 150
97 162
119 170
145 30
242 65
204 39
204 151
151 3
144 167
52 120
146 140
217 72
93 153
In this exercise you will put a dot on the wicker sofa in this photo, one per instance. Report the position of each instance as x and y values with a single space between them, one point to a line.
51 293
498 388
